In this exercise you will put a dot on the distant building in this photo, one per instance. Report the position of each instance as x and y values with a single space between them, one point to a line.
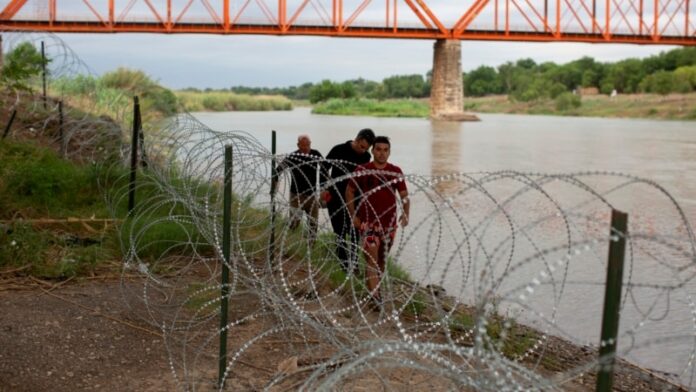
588 90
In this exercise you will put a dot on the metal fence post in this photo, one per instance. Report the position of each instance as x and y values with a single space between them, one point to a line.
134 154
274 185
9 124
226 236
612 300
141 140
61 132
43 72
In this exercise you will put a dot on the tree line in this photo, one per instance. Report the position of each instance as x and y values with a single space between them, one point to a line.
523 80
400 86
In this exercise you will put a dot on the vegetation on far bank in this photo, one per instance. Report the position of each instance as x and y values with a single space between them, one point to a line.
193 100
525 80
544 88
648 106
372 107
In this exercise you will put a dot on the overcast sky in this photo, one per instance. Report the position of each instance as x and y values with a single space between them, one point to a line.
217 61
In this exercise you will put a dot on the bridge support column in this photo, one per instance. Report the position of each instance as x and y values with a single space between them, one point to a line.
447 91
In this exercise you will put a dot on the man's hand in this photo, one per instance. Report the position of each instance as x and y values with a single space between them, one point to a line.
356 222
403 219
324 198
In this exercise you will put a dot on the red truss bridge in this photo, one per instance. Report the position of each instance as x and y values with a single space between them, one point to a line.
663 22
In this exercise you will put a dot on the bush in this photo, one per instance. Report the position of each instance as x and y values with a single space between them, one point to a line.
153 96
371 107
44 254
36 179
21 65
567 101
218 101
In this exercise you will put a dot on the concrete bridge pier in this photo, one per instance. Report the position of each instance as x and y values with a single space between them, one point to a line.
447 91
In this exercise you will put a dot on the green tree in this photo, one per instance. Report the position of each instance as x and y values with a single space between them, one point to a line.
363 87
533 86
661 82
324 91
405 86
347 90
624 76
526 64
567 101
482 81
569 75
379 93
22 64
506 75
688 75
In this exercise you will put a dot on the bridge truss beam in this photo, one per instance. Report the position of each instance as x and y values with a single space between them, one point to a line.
664 22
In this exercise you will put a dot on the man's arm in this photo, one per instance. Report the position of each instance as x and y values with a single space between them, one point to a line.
283 164
323 168
350 203
327 166
405 202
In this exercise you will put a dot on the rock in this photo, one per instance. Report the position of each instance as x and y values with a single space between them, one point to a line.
436 290
288 365
456 117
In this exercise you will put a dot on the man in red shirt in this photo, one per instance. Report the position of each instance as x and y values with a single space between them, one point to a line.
373 188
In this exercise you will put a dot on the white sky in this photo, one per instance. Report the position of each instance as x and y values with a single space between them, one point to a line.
216 61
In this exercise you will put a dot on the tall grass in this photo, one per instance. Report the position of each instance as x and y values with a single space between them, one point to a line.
47 254
218 101
371 107
36 182
112 94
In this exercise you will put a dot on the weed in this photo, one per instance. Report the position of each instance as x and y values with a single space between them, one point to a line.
35 179
371 107
45 254
416 305
226 101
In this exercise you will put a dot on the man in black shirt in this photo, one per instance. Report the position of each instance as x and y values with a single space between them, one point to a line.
303 164
341 161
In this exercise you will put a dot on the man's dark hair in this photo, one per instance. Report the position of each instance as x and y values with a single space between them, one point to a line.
367 135
382 139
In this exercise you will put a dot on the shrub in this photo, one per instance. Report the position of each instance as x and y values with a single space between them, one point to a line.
567 101
36 178
44 254
21 64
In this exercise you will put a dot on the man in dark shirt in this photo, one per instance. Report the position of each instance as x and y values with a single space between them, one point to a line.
341 161
303 164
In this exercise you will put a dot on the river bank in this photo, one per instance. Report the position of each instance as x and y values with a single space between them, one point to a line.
648 106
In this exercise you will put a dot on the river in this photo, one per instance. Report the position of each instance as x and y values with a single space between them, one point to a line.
660 151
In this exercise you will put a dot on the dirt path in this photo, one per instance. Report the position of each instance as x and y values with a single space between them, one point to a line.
77 338
83 336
